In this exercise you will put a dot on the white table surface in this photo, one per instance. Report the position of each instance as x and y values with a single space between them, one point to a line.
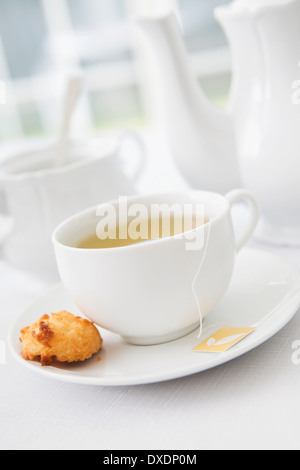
252 402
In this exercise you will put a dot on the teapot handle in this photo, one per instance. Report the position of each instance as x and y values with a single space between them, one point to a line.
129 135
242 195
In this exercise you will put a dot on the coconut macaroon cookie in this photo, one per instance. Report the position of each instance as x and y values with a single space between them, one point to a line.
61 337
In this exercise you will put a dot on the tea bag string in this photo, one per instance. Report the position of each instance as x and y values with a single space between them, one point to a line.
255 325
201 330
196 276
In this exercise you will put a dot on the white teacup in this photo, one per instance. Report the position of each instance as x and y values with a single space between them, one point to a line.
149 292
36 196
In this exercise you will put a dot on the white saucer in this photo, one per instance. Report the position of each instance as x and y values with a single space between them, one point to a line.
263 286
277 236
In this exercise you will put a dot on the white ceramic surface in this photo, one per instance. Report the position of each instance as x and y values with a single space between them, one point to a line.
266 118
263 287
144 292
256 140
279 148
201 136
37 197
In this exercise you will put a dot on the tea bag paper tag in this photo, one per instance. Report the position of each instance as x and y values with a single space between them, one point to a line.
223 339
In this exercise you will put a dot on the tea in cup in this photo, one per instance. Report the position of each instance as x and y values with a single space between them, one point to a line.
147 288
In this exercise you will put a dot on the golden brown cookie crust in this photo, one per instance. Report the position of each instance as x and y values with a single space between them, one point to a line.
61 337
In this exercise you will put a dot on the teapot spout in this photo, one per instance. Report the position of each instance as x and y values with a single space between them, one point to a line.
201 136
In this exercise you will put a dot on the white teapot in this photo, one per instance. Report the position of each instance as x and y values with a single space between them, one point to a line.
256 139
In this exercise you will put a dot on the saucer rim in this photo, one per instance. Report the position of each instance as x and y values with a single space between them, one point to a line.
252 342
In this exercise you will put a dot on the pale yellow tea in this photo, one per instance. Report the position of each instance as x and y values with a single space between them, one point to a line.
141 231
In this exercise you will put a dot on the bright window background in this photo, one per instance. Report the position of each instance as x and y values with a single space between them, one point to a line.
42 40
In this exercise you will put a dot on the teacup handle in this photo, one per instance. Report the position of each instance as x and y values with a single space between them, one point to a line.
242 195
141 160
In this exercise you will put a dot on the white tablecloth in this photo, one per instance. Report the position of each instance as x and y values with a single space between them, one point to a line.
252 402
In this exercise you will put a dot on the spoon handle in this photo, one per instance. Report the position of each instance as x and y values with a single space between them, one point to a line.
73 92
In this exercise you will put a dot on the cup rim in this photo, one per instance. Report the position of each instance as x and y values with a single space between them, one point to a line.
43 148
146 243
